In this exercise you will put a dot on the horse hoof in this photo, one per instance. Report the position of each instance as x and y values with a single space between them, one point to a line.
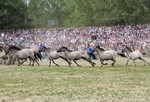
112 65
94 63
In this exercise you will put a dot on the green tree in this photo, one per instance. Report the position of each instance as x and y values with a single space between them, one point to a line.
73 13
12 14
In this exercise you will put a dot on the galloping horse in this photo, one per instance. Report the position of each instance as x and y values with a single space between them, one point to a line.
21 54
133 55
52 55
37 56
75 55
36 52
106 55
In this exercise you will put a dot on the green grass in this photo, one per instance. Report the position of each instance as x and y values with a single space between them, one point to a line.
74 84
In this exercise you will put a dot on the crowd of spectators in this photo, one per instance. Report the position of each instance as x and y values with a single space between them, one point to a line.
108 37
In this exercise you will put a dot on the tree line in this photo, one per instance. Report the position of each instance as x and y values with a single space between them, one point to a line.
72 13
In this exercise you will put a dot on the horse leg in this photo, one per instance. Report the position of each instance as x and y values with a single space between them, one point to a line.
30 60
127 62
89 60
37 62
23 61
76 63
33 58
18 61
144 61
33 62
49 62
36 59
102 62
10 60
55 63
69 62
114 61
1 61
134 62
13 61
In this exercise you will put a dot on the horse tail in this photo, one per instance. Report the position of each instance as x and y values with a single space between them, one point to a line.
37 55
121 54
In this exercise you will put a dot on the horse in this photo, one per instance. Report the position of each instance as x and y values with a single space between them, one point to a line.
106 55
21 54
75 55
53 55
37 54
133 55
3 56
6 58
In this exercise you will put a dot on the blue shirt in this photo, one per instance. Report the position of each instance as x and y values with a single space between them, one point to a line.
90 49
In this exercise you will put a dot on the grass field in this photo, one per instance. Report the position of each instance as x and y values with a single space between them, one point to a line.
75 84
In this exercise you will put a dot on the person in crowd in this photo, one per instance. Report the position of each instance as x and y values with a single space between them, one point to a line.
77 37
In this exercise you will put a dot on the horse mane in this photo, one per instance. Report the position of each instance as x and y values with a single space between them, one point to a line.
128 48
47 48
1 47
66 48
14 47
100 48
